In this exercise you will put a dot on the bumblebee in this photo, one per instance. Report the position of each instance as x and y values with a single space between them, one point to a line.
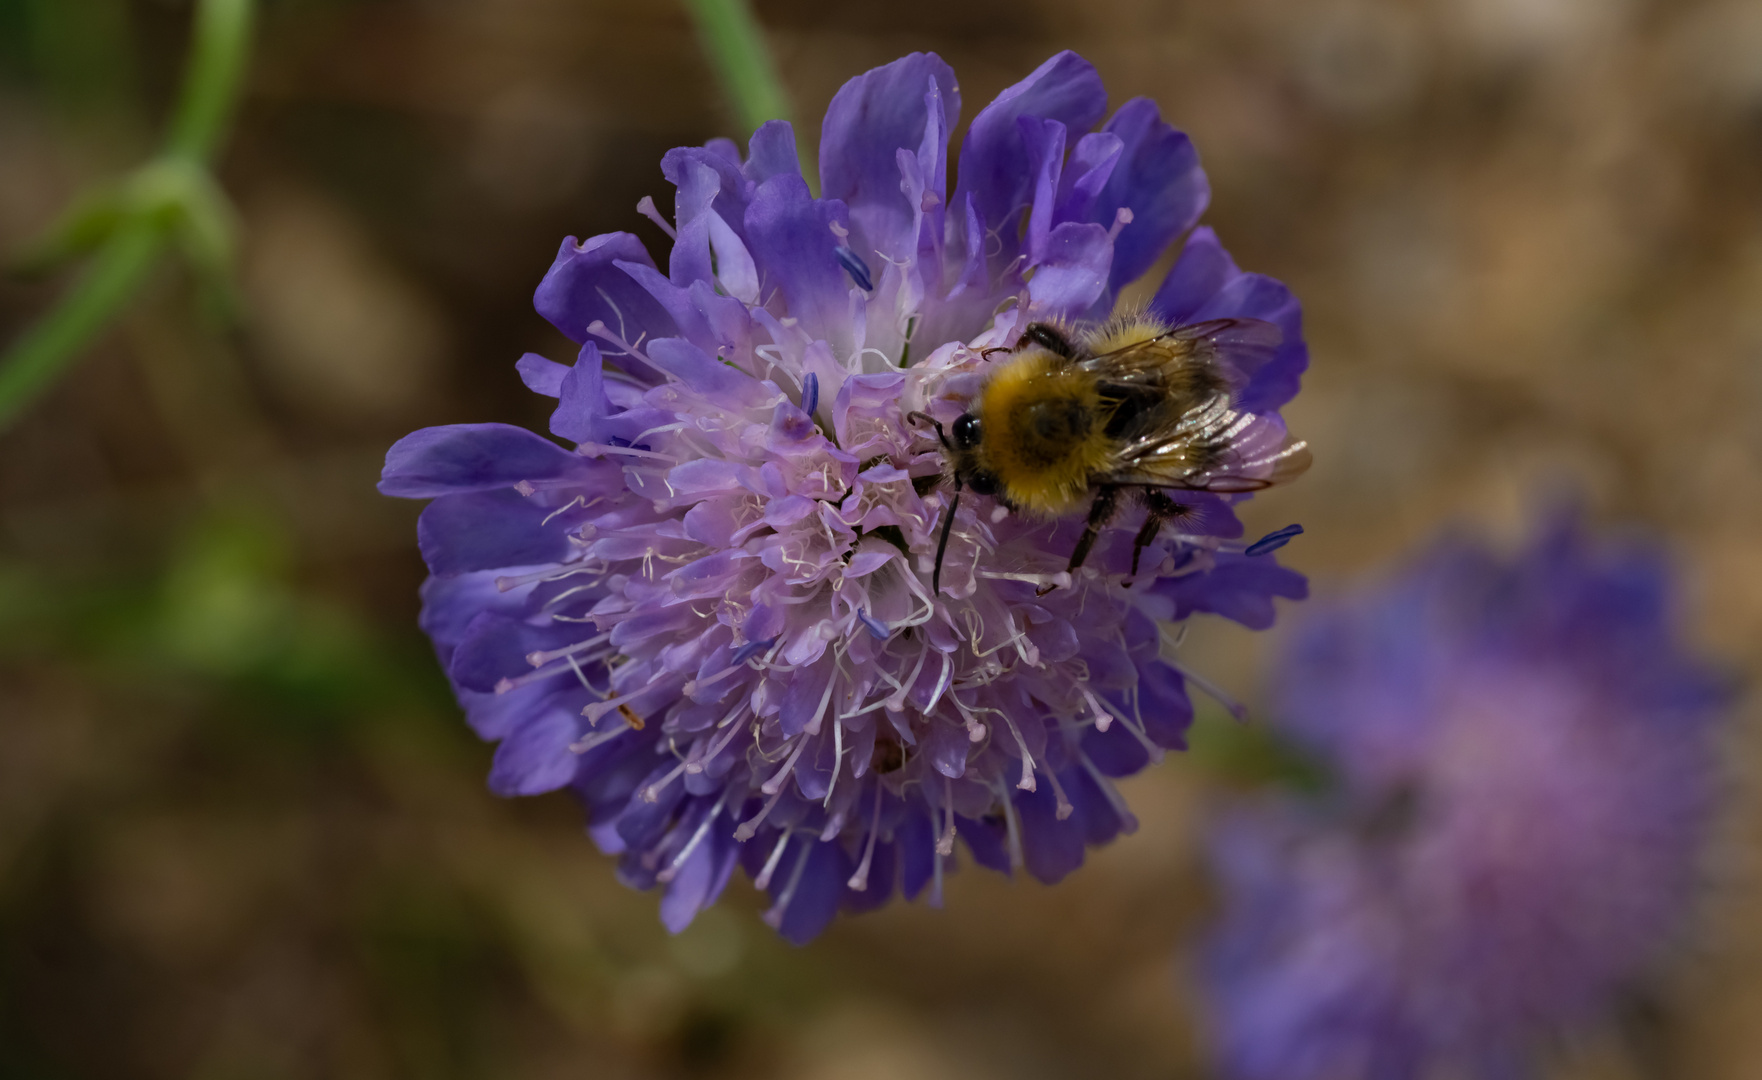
1134 408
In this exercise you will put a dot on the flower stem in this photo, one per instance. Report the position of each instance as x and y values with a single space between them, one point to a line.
39 354
222 39
136 238
736 45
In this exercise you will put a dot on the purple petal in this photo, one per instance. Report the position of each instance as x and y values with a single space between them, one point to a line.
495 648
1159 179
1116 751
871 118
450 603
1205 284
582 404
1238 588
484 530
1164 706
702 878
917 850
706 375
472 457
790 235
995 168
771 152
817 891
1044 141
1050 848
535 757
1073 274
540 375
584 286
1092 161
987 839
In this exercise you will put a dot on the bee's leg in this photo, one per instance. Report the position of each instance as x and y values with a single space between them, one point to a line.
942 544
1162 508
941 435
1107 499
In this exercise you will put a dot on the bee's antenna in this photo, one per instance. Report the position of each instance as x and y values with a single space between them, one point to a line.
937 424
942 544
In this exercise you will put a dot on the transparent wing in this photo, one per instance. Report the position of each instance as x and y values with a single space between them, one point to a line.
1213 448
1235 348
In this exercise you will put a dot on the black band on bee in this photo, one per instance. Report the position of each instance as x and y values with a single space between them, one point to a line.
983 483
1048 337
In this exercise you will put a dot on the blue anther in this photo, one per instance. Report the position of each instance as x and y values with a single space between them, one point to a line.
1273 541
751 649
855 267
877 628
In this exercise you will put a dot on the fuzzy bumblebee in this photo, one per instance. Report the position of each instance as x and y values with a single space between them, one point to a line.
1132 407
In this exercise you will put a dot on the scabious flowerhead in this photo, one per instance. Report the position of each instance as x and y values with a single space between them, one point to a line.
711 615
1521 762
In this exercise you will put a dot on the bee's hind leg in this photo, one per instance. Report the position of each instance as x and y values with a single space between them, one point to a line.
1107 500
1162 508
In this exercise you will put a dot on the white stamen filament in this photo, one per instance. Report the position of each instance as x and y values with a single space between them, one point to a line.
859 881
763 881
597 738
750 827
1216 693
837 760
1128 820
504 685
646 207
716 747
1015 832
1064 807
652 793
775 784
945 841
505 584
540 659
1027 782
597 709
774 917
703 830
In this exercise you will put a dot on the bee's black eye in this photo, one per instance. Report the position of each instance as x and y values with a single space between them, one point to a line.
982 483
966 431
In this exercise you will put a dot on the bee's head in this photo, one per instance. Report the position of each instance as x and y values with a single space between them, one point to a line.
969 468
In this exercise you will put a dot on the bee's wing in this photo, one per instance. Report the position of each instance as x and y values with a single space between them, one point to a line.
1243 451
1235 348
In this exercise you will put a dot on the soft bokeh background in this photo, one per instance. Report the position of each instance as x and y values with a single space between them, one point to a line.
243 831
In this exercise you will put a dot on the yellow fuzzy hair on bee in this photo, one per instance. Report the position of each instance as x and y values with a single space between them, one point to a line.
1042 438
1123 330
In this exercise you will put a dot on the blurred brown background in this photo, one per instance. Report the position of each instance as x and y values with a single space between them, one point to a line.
243 832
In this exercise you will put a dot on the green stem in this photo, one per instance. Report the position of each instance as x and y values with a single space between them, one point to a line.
218 52
219 48
736 45
37 357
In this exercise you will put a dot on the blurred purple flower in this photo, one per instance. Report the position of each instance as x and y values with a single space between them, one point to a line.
1521 766
712 619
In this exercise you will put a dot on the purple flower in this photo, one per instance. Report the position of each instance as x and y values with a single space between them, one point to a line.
1521 774
711 616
